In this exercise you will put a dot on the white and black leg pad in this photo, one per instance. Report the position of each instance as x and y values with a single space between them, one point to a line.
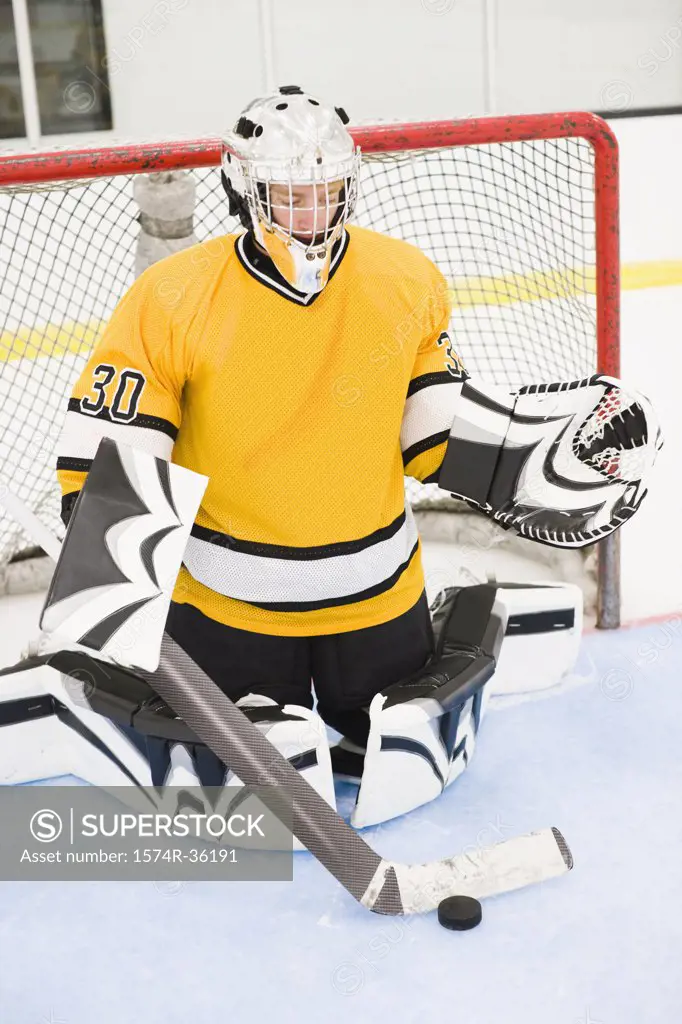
68 713
300 735
544 627
423 728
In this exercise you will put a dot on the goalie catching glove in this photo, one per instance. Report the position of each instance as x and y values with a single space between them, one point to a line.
565 464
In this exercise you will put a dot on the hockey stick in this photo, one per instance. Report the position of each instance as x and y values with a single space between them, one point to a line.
382 886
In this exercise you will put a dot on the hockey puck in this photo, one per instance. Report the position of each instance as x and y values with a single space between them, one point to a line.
459 913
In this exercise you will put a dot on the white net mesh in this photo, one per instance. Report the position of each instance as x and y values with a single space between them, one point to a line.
511 225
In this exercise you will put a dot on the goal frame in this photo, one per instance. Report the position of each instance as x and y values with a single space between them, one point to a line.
41 168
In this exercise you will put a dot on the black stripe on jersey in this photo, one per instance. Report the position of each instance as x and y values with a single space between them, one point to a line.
427 379
141 419
75 465
258 264
425 445
335 602
347 547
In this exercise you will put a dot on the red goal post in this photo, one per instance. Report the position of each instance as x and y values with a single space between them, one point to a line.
520 213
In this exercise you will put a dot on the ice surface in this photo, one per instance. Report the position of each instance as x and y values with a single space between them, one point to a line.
599 758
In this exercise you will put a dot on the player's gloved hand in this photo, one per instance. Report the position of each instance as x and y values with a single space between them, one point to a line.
573 461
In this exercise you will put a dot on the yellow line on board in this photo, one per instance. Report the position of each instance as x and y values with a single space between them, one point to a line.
653 274
557 284
54 340
50 340
510 288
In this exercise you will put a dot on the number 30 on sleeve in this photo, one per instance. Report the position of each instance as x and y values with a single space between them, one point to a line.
126 399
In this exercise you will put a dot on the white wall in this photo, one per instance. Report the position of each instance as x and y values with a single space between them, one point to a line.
382 59
651 353
651 205
192 67
186 70
186 67
588 54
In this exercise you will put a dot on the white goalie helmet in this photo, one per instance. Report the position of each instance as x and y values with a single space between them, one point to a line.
290 170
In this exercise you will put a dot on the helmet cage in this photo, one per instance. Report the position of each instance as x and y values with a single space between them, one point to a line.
333 202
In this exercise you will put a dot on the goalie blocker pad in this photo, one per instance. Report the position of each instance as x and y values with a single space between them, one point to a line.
113 583
565 464
500 638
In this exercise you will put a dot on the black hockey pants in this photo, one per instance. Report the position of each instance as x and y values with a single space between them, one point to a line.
346 669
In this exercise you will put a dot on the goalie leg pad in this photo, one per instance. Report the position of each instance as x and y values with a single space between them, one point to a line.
48 729
423 729
67 713
301 736
541 643
496 639
298 733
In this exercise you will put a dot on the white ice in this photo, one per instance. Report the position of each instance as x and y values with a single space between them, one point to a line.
599 758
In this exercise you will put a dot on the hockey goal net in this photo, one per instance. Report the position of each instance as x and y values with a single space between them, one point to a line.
520 214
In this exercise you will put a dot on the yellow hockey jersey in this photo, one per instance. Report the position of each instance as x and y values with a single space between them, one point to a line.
305 411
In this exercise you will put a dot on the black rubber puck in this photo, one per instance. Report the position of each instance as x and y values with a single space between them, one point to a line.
459 913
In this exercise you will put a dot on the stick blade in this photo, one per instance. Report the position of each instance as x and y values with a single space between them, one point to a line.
488 871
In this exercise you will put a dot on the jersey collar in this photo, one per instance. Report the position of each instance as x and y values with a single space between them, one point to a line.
259 265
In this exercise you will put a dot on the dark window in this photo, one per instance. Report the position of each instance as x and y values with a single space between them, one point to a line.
11 104
67 39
